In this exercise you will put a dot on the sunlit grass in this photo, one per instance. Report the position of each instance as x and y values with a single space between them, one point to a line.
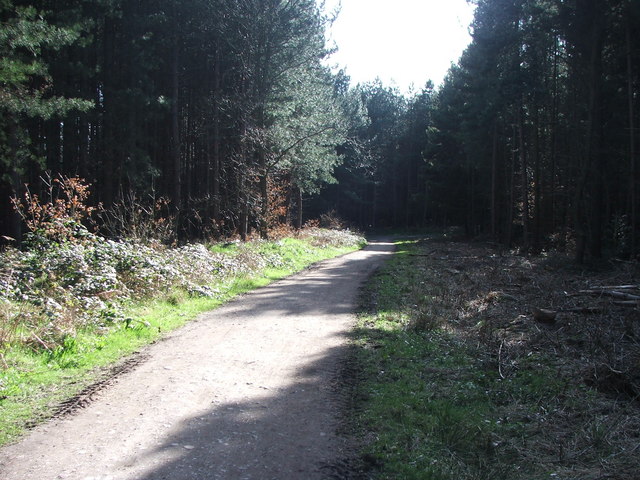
33 381
457 381
426 411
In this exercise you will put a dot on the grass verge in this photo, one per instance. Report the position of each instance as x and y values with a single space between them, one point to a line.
34 381
457 383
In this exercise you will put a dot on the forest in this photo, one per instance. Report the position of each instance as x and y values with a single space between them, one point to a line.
224 116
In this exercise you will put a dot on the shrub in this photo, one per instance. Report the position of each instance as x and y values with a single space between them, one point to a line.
321 237
70 278
61 217
143 222
331 220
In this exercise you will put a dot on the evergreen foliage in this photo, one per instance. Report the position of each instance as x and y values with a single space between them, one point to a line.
532 139
200 103
225 111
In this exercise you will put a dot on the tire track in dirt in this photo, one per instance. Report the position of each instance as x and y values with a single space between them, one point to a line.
247 391
87 395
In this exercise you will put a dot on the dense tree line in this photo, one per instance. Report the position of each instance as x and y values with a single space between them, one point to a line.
226 110
381 181
532 139
206 104
541 109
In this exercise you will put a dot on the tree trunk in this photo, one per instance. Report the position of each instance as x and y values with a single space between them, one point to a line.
512 192
216 138
15 223
524 179
408 209
244 218
176 182
594 141
425 204
633 187
374 210
243 204
553 138
108 120
264 196
494 183
471 201
299 220
396 200
537 187
590 189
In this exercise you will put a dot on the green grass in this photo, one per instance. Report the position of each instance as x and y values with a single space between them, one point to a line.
34 381
457 382
427 407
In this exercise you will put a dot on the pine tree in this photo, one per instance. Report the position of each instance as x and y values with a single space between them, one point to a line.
25 91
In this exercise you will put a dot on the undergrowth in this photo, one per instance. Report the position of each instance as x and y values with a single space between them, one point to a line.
73 302
459 382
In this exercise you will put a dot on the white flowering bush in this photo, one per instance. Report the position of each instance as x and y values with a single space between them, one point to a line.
68 277
322 237
61 286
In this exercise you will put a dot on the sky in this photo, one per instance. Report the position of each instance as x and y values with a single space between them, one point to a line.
402 42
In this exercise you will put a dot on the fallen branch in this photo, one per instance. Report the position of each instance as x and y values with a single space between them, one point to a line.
500 360
543 315
611 293
585 310
616 287
548 316
41 342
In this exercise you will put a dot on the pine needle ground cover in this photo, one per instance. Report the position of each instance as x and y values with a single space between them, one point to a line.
71 310
460 377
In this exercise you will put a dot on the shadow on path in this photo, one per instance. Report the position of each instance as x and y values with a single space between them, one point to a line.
248 391
283 434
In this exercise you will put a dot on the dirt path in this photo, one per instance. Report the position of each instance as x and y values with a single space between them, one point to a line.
242 393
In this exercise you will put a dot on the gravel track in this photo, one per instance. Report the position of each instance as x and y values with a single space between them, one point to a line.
244 392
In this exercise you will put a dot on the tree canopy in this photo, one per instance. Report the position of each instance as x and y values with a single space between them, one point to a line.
226 109
531 140
200 103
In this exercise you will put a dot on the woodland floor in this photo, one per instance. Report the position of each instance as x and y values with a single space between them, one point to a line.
250 390
553 348
586 317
